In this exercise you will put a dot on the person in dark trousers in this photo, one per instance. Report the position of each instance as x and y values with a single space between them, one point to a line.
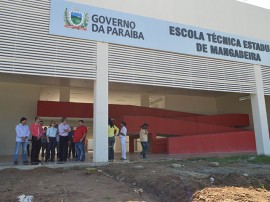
36 131
40 146
112 131
51 141
144 140
71 148
64 129
44 142
57 141
28 145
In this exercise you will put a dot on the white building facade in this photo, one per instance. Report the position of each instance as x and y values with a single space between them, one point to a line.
186 55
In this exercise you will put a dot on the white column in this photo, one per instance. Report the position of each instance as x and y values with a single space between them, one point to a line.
260 115
100 153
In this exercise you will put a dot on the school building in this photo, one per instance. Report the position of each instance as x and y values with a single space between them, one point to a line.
198 72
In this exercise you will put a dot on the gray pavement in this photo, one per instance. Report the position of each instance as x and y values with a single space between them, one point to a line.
6 161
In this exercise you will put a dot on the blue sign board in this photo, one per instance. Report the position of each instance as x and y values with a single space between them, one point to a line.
87 22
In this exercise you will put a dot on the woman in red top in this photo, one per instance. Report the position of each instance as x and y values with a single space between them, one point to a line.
36 131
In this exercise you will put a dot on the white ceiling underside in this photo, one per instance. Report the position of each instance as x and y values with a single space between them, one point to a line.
81 85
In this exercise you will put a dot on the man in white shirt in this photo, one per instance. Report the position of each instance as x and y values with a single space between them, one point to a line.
123 140
63 129
51 141
22 134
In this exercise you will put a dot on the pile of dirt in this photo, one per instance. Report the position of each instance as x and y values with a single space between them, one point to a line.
180 183
232 194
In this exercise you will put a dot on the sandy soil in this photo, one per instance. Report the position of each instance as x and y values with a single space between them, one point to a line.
141 181
64 185
232 194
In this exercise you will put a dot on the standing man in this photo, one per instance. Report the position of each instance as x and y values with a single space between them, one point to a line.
22 134
64 129
51 142
123 141
79 139
37 131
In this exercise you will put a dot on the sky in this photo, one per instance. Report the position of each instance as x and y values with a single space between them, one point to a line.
76 14
260 3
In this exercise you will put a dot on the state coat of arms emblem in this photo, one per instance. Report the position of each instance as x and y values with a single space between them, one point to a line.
76 20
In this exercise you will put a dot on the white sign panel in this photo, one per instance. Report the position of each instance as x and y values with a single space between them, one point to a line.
86 22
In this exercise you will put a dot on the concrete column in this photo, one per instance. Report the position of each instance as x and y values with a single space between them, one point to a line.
144 100
260 115
100 153
64 94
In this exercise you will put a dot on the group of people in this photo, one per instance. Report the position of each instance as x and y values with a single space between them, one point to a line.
55 136
63 138
114 131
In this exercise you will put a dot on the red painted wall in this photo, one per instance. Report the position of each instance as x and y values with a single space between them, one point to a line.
64 109
85 110
159 146
174 126
199 134
230 120
243 141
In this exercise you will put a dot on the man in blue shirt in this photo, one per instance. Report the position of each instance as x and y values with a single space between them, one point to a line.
22 134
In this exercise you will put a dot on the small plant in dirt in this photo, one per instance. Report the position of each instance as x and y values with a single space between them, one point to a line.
262 186
107 198
261 159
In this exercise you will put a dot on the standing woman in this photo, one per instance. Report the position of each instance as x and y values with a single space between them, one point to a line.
112 130
51 142
144 140
123 141
36 131
44 142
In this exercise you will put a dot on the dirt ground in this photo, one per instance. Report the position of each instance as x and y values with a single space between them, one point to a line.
179 180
